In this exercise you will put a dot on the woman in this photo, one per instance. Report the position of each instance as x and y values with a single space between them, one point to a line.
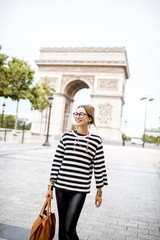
77 154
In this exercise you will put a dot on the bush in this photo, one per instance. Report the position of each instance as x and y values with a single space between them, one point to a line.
9 122
152 139
20 126
125 137
74 128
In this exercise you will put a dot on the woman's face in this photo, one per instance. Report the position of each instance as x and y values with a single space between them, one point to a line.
82 121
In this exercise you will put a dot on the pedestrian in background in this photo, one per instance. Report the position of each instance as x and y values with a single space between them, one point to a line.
77 155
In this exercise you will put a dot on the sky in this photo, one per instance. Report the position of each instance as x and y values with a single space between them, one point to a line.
28 25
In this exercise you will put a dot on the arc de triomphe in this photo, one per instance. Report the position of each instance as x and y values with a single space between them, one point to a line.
103 70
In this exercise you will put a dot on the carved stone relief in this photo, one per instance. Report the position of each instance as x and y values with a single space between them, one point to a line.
52 81
108 84
105 114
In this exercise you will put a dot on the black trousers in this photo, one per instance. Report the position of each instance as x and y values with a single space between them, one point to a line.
69 208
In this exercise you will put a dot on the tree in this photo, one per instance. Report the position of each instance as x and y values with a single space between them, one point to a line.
16 82
16 79
20 81
4 79
39 96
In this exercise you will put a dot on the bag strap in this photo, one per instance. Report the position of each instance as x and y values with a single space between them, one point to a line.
48 205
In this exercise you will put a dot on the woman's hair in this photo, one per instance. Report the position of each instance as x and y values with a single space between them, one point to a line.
90 111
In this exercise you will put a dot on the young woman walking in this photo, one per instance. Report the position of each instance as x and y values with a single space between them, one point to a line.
77 155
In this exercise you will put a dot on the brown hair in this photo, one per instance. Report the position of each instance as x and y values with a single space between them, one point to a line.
90 111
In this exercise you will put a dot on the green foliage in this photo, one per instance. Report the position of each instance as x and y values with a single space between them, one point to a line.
16 78
152 139
39 95
4 79
16 82
74 128
20 79
20 126
28 126
9 122
125 137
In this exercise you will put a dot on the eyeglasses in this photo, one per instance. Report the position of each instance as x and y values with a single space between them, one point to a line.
81 114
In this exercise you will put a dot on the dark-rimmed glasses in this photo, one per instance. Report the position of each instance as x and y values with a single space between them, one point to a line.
81 114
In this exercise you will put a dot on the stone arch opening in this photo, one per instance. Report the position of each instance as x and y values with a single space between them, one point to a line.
70 90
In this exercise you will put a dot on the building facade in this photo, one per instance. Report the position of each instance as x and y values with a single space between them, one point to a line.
103 70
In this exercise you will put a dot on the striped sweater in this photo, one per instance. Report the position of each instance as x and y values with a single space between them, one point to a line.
75 158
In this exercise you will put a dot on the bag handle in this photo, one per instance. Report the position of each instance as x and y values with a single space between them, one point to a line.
46 204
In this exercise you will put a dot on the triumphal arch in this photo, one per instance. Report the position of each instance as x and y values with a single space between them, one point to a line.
103 70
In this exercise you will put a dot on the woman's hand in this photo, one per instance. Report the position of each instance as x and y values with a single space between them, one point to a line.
50 189
49 194
98 201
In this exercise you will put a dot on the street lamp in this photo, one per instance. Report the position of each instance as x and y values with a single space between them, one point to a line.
124 134
3 108
47 136
145 118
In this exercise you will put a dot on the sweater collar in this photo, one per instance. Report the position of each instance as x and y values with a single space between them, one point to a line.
79 135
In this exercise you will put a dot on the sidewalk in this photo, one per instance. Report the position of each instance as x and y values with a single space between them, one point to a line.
131 202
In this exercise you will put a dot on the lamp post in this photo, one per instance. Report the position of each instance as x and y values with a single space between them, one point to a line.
145 117
124 134
3 108
47 136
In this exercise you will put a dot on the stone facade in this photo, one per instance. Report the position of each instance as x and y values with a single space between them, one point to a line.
102 70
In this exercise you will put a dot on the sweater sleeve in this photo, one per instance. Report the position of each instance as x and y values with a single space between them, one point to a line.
57 161
99 167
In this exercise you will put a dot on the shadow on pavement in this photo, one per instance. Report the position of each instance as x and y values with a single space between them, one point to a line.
9 232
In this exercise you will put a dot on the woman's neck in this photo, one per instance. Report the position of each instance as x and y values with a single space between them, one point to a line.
83 131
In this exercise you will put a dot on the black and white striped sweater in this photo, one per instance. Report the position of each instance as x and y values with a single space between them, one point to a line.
73 163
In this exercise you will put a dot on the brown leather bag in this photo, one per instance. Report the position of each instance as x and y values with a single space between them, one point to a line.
44 226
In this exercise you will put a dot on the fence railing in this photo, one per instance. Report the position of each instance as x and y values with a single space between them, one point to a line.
21 136
9 135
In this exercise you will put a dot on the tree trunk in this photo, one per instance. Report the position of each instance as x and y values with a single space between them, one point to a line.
16 120
41 121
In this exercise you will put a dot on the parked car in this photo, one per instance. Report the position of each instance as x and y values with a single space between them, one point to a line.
136 141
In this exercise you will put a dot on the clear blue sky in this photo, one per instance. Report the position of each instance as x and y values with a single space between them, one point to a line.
26 26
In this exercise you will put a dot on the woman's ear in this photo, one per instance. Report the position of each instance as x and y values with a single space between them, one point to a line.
90 119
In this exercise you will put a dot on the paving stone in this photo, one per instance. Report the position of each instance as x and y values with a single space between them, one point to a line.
143 231
154 233
113 236
128 224
147 237
112 226
156 229
131 232
154 224
133 238
103 229
144 225
130 209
